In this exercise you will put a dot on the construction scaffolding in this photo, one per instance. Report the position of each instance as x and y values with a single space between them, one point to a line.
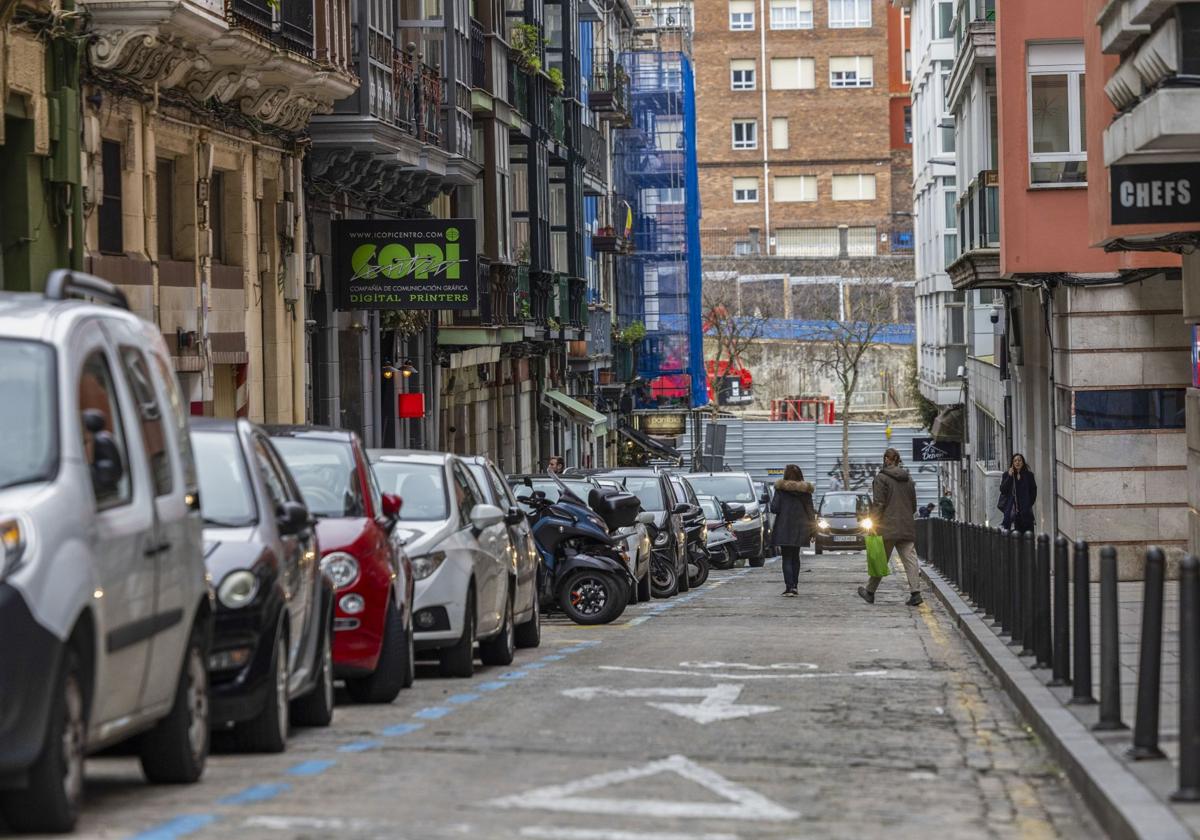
658 283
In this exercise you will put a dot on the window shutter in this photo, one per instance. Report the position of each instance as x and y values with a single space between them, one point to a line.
785 73
795 188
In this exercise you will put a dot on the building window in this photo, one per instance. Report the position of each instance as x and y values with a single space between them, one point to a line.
741 15
779 133
949 222
856 71
791 14
112 235
853 187
1057 114
861 242
943 19
1129 409
908 131
741 74
745 190
849 14
216 215
745 134
908 67
789 188
807 242
164 199
793 73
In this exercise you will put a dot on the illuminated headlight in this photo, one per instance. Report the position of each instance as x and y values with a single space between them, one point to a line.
750 517
427 564
823 524
352 604
12 544
341 568
237 589
662 538
866 524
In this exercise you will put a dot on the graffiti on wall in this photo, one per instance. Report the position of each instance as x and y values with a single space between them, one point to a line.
862 473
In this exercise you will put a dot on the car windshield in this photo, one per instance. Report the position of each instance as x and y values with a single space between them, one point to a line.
325 471
421 488
710 508
226 499
841 503
550 488
727 488
648 491
28 418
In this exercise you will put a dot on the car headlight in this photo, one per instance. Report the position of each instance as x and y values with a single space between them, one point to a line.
427 564
866 524
237 589
661 538
13 538
823 524
341 567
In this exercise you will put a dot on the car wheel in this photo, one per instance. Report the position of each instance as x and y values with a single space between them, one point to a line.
459 660
51 802
316 707
664 582
591 597
500 649
394 666
682 577
176 750
701 565
267 732
644 588
529 634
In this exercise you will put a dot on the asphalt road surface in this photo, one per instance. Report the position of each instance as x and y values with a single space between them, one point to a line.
726 714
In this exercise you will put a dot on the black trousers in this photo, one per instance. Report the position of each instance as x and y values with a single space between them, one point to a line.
791 565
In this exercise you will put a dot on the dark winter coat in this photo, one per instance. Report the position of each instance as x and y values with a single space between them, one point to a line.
1023 495
795 517
894 501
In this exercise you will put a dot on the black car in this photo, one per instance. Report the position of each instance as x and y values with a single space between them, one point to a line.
658 496
843 521
272 649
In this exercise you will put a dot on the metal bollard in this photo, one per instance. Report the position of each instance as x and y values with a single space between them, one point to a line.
1000 579
1189 681
1110 652
1015 623
1145 722
1081 690
1044 644
1027 594
1062 621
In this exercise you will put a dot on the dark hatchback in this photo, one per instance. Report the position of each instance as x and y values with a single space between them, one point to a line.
843 521
271 662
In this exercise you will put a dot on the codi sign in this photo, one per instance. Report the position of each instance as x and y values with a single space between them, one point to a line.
405 264
1155 193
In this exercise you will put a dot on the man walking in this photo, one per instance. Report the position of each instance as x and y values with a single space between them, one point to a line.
894 503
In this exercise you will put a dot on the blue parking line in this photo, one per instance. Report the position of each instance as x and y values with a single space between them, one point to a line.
359 746
310 768
256 793
401 729
554 657
459 699
180 826
533 666
490 686
432 712
514 675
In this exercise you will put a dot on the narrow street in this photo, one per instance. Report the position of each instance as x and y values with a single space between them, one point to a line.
726 713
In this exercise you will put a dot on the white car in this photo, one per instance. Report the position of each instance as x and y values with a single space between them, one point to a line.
459 547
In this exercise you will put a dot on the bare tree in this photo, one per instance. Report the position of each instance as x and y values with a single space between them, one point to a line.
732 333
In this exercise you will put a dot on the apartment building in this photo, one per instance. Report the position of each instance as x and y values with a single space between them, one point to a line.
1075 354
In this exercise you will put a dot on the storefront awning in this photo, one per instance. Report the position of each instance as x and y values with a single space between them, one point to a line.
949 423
579 412
649 444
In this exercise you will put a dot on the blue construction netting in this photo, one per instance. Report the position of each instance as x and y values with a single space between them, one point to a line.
654 163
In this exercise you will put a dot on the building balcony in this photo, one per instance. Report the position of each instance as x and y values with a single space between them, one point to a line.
594 148
518 90
978 263
558 119
478 55
975 46
938 374
608 89
251 60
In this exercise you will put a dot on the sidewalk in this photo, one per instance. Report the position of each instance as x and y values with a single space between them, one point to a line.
1130 798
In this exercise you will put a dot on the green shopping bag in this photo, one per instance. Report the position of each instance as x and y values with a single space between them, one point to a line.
877 559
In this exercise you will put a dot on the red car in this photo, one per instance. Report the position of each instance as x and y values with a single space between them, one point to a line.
373 631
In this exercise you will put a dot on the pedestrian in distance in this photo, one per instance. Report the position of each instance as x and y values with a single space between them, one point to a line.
795 522
1018 494
945 506
894 503
556 465
924 511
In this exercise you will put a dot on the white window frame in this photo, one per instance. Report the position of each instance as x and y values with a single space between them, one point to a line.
1077 131
738 21
859 195
858 81
855 20
745 142
801 19
745 195
751 84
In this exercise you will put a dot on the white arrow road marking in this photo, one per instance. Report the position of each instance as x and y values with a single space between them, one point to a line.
740 803
719 702
809 675
607 834
286 823
778 666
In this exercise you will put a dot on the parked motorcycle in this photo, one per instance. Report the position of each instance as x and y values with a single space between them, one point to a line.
583 571
722 542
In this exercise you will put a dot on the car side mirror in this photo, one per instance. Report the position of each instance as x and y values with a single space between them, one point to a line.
107 468
646 517
681 508
485 516
391 505
292 518
514 516
733 512
765 498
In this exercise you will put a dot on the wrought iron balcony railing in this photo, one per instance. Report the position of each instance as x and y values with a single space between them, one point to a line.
289 25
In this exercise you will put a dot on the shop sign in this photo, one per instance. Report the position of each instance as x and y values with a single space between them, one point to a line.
664 425
405 264
930 449
1154 193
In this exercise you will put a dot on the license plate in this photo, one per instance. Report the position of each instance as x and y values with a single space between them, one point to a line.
845 539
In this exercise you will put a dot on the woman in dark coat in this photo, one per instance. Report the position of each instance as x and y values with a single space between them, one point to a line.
795 520
1018 492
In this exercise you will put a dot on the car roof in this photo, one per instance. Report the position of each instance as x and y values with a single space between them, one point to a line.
213 424
708 474
637 471
31 315
419 456
313 432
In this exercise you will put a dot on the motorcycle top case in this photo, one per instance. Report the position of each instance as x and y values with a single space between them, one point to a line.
617 509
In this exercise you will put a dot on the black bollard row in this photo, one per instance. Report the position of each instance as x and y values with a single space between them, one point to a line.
1028 598
1081 688
1110 654
1044 643
1145 724
1062 621
1189 681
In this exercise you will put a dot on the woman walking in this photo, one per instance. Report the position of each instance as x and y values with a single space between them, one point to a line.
795 520
1018 493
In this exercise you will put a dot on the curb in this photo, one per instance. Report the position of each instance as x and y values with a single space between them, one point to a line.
1124 807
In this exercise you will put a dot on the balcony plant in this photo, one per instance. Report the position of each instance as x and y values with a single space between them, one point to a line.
554 324
557 85
526 47
632 335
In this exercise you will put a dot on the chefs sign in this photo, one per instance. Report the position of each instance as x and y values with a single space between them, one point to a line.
1155 192
405 264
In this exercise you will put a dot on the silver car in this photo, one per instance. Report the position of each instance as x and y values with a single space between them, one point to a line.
102 576
458 544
